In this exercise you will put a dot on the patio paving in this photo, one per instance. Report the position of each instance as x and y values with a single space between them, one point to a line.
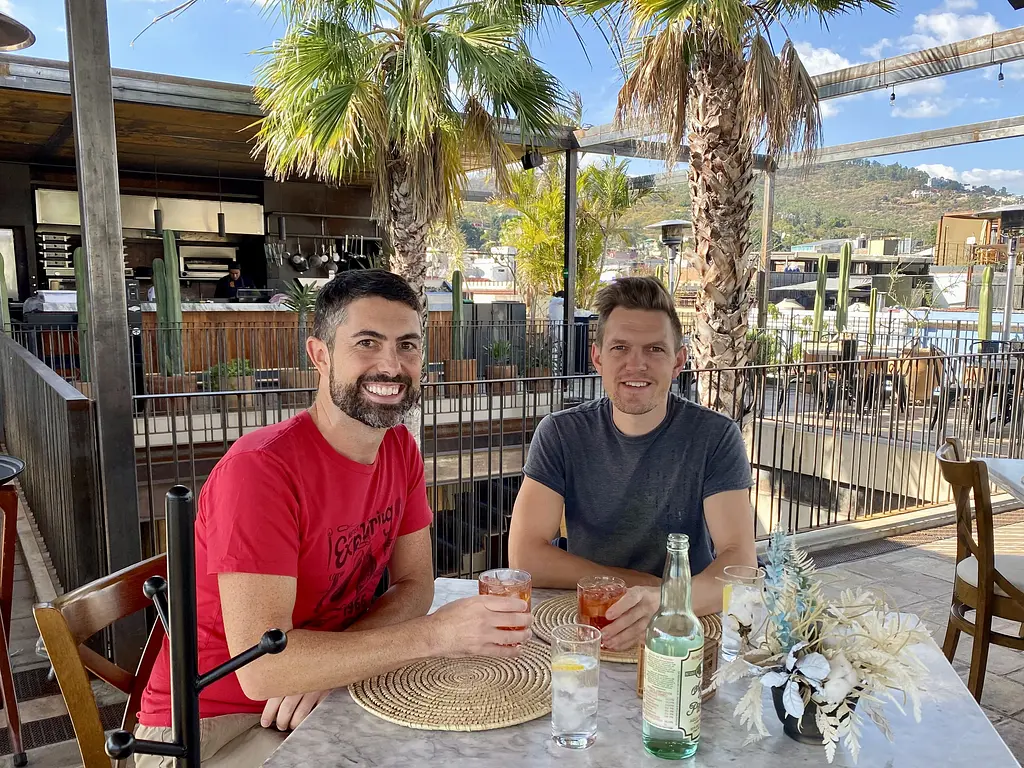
919 579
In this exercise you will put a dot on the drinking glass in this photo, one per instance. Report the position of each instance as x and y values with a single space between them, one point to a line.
744 611
507 582
596 594
575 669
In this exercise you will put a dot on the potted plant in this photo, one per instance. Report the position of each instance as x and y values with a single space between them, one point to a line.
458 368
500 353
301 299
830 664
234 375
538 363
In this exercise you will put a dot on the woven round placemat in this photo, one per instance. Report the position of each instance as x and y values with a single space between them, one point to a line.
564 610
478 693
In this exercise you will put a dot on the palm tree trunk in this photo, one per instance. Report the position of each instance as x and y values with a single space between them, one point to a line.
721 178
408 233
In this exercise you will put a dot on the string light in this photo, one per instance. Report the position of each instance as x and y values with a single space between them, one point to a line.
1001 77
892 98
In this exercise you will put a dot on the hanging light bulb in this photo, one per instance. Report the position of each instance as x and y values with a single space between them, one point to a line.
892 98
222 224
1001 77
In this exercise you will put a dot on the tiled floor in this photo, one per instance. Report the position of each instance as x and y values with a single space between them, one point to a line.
920 580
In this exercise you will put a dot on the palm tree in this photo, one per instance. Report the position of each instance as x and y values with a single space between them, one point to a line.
706 71
606 189
404 95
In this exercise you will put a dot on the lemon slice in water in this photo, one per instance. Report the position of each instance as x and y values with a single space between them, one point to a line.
566 666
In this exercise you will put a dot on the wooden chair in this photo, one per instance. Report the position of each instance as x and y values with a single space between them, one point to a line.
9 535
991 585
67 622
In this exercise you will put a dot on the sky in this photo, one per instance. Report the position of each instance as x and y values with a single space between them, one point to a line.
220 40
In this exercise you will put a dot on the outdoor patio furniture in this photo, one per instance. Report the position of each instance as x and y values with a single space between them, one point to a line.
10 467
949 709
989 584
69 621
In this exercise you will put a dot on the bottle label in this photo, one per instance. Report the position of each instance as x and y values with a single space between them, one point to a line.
672 691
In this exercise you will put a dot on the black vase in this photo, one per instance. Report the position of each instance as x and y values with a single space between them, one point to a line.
804 730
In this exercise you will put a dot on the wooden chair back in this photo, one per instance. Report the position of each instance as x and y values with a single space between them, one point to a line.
70 620
978 539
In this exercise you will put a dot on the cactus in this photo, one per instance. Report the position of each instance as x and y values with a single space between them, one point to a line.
168 308
82 289
872 316
819 295
659 272
457 341
5 310
985 306
843 299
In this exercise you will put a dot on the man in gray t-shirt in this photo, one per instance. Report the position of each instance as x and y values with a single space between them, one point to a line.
630 468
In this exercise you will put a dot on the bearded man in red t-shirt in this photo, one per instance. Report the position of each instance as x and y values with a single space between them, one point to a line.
296 527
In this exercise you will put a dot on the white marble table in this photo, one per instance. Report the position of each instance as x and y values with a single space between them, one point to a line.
954 731
1008 474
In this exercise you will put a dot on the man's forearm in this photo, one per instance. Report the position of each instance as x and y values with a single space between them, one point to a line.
554 568
404 600
318 661
707 585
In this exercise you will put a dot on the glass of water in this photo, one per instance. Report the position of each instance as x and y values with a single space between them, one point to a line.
743 610
575 669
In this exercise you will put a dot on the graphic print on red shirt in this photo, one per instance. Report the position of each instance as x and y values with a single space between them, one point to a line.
283 502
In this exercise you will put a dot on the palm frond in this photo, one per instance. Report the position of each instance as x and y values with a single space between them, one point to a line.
655 94
760 98
482 138
798 105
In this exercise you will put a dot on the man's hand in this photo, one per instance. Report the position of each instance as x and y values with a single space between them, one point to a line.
287 712
629 616
472 626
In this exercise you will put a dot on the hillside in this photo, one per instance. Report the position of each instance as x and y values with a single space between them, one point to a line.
828 201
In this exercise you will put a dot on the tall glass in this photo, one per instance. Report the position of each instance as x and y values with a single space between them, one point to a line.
744 614
507 582
596 594
575 670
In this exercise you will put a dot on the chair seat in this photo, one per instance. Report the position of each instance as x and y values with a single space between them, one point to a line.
1011 567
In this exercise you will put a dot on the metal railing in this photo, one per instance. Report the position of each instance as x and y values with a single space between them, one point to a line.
50 425
829 442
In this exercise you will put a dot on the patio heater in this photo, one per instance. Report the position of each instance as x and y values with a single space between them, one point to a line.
14 36
672 231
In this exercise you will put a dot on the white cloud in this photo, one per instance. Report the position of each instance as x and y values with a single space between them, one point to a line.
7 7
942 27
1012 70
939 171
922 108
828 109
874 52
818 60
921 87
1012 179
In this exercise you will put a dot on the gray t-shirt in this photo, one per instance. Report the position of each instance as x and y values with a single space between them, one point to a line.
624 495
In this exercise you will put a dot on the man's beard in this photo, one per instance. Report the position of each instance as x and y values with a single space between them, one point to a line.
351 399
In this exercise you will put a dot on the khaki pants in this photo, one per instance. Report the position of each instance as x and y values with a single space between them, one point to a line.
229 741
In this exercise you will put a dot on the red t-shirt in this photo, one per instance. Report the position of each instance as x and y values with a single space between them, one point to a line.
283 502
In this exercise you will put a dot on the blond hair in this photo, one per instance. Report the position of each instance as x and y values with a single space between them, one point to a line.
647 293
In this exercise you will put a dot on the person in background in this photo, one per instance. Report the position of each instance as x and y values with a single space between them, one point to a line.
298 523
227 286
632 467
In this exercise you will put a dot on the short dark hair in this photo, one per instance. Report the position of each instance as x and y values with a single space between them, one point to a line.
334 298
234 265
647 293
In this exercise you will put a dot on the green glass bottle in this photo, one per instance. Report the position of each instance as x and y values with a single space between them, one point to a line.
673 662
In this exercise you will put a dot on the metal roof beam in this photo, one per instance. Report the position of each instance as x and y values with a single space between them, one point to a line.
984 51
